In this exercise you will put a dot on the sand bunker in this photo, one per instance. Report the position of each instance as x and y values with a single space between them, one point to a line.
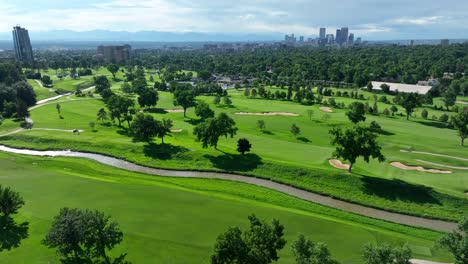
418 168
176 130
420 261
462 102
174 110
267 113
326 109
338 164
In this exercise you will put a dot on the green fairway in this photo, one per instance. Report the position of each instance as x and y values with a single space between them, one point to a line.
276 153
169 220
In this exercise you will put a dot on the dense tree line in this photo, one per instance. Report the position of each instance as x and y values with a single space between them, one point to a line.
356 65
16 95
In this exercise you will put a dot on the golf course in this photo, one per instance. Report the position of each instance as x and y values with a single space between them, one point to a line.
169 219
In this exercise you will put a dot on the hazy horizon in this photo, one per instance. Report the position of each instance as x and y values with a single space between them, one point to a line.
385 20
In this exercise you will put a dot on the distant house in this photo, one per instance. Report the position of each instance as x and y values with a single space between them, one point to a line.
401 87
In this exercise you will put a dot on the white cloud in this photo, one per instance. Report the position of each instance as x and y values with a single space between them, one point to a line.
418 21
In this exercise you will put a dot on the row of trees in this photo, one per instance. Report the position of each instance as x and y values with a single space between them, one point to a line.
261 242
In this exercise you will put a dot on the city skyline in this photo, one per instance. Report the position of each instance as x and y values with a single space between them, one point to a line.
404 20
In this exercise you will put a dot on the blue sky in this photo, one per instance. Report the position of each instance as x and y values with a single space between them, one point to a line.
371 19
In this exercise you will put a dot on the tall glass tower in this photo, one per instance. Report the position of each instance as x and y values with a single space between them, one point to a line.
23 48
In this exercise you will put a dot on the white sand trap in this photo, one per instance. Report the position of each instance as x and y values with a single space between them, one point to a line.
420 261
418 168
174 110
338 164
176 130
326 109
267 113
462 102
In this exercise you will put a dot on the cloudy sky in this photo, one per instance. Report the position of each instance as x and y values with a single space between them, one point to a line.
371 19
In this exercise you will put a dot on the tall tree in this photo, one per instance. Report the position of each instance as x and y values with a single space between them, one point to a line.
102 115
119 107
203 110
357 112
257 245
243 145
84 236
148 97
209 131
184 96
113 68
460 122
10 201
450 97
295 130
409 101
457 242
145 127
356 142
164 128
306 252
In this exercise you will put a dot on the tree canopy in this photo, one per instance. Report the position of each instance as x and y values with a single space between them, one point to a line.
84 236
356 142
209 131
259 244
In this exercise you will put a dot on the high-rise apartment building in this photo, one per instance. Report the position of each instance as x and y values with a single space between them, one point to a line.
115 54
22 43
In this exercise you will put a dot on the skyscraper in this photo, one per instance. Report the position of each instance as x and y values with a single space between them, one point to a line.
344 35
323 32
338 36
22 43
351 39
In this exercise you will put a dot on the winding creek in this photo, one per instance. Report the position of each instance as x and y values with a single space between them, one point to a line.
438 225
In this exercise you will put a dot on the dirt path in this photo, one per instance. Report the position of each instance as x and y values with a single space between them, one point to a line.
338 164
439 225
434 154
267 113
461 102
417 168
326 109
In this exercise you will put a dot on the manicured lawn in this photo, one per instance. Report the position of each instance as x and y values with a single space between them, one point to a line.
41 93
276 153
170 220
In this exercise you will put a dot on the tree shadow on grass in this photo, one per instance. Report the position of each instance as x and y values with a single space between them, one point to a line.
106 124
432 124
194 121
396 189
386 133
304 139
155 111
162 151
235 162
11 233
267 132
224 106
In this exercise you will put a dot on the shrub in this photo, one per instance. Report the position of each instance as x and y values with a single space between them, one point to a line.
444 118
424 114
